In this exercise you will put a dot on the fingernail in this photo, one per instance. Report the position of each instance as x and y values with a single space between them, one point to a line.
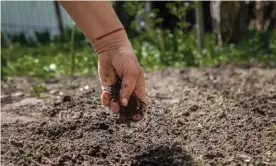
137 117
124 102
105 94
115 107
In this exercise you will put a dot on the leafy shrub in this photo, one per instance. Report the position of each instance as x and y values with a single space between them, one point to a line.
155 47
166 48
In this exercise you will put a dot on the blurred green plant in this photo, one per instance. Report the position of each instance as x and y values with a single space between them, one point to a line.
37 90
166 48
47 60
155 47
179 9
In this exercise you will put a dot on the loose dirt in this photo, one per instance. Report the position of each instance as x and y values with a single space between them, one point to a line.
134 107
225 115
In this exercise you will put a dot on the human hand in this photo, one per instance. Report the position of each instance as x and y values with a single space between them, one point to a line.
101 26
116 58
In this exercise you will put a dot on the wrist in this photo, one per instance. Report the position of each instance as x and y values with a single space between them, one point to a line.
112 41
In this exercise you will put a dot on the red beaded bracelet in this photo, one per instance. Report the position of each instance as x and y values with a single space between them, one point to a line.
116 30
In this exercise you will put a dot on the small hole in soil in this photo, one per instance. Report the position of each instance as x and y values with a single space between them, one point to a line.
103 126
194 108
94 151
66 98
117 160
164 156
104 155
110 131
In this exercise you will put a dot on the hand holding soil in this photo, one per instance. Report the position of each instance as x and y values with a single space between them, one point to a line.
116 57
123 84
121 76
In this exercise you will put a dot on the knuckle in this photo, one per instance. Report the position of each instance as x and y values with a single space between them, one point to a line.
134 72
141 70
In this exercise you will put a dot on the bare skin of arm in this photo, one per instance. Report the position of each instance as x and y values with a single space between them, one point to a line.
116 56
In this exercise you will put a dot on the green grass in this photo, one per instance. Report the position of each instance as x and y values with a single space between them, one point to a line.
154 48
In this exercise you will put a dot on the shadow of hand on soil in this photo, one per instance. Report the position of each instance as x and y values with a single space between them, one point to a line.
163 156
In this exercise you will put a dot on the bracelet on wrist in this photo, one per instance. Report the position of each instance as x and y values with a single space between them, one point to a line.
116 30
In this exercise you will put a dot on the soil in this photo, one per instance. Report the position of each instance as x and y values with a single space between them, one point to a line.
134 107
224 115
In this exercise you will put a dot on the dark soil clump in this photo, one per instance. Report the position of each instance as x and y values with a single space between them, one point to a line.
134 105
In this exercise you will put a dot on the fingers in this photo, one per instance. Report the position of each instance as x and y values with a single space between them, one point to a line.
137 117
115 107
107 77
128 83
105 98
140 91
106 101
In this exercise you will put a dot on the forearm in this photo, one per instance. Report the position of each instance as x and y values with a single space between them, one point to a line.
95 19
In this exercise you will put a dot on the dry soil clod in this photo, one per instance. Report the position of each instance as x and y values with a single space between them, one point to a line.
16 143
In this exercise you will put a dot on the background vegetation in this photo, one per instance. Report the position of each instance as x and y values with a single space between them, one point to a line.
155 46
